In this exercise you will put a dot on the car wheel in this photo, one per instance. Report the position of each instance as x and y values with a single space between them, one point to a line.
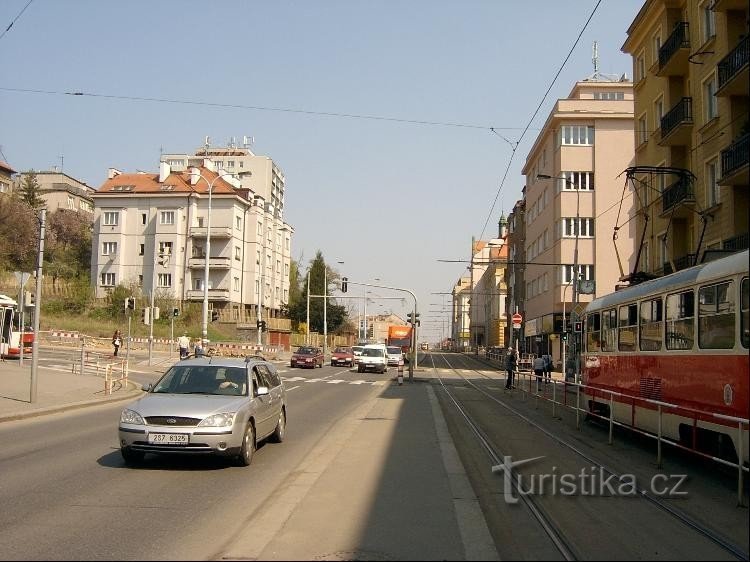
248 446
130 456
359 369
280 432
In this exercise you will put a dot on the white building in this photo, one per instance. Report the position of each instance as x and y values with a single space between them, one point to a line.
151 230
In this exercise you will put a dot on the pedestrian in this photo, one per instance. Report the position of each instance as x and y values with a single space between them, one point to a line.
547 367
198 350
183 342
116 341
539 366
511 362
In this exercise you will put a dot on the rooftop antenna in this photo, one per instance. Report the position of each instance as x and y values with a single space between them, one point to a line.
595 57
207 143
62 163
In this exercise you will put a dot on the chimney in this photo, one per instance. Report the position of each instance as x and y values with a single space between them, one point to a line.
113 172
164 171
194 176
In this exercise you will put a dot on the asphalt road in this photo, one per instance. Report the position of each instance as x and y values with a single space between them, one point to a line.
67 494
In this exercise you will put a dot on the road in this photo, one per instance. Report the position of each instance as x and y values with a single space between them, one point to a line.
66 493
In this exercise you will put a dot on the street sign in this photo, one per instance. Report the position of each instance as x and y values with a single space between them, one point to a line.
517 318
516 326
21 277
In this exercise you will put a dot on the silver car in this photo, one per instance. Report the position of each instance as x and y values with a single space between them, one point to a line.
217 405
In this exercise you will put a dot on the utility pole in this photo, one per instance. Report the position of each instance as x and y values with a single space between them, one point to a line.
325 310
307 335
38 305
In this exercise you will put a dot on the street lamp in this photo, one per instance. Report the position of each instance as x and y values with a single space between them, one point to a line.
204 326
576 273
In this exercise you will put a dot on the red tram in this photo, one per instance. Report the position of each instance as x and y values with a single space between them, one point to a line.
681 339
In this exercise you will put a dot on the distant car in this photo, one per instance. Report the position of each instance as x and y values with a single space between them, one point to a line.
374 357
357 351
425 347
395 355
342 356
208 406
307 357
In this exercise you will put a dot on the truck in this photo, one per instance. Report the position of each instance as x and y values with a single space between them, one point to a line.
400 336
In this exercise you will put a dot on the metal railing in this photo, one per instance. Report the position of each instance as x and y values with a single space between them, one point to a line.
735 155
679 39
731 64
739 242
679 192
681 113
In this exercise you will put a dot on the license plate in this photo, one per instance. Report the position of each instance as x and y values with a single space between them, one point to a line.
168 438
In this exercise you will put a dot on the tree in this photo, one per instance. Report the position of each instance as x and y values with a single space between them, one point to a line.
68 245
19 233
336 314
30 191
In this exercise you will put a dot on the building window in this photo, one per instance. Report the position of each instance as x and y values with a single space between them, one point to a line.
260 229
572 135
141 249
257 257
716 316
143 219
165 248
708 21
576 180
109 248
236 281
712 182
709 98
237 253
71 203
660 255
642 130
165 280
570 229
658 112
657 46
640 66
140 280
111 218
238 223
108 279
230 163
609 95
166 217
587 273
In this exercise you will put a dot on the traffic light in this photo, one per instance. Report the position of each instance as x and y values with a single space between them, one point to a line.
410 318
565 336
416 319
129 303
146 316
263 326
175 312
344 284
156 313
214 315
578 327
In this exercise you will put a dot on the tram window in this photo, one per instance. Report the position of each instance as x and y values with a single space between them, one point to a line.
650 328
680 317
716 316
745 314
609 330
628 327
593 332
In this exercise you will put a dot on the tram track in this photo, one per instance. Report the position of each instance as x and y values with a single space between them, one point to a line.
544 517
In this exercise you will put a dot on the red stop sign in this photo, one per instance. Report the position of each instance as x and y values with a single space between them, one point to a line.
517 318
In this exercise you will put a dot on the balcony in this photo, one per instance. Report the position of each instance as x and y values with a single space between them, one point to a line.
678 194
213 263
674 54
688 260
737 243
734 162
726 5
732 70
677 124
216 231
213 295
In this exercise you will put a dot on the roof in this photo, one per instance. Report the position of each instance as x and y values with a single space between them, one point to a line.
176 182
4 166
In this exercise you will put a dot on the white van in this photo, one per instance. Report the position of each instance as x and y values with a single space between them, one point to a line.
374 357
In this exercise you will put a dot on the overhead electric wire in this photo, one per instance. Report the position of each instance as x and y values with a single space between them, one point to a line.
15 19
528 125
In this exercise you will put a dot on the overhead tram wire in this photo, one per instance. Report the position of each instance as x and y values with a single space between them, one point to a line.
528 125
15 19
261 108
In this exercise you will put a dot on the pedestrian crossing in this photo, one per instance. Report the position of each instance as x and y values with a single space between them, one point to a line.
333 381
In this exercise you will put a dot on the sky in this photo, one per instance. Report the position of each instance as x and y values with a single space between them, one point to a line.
378 112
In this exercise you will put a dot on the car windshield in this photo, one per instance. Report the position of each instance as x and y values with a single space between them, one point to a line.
357 349
394 350
203 379
306 351
342 350
372 352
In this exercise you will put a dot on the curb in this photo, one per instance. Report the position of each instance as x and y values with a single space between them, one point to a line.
136 391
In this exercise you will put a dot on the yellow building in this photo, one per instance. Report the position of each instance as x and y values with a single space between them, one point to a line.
690 70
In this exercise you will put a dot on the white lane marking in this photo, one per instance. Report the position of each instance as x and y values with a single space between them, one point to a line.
293 379
335 381
313 380
290 389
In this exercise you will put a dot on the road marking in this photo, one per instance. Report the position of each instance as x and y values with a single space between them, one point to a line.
336 381
290 389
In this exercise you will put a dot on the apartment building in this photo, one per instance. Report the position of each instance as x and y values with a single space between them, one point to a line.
576 195
460 318
260 174
516 284
690 61
61 191
151 230
6 177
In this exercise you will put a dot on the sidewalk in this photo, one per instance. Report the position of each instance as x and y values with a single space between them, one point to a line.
57 391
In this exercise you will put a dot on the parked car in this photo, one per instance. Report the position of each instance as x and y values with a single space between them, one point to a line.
342 356
374 357
219 406
307 357
395 355
357 351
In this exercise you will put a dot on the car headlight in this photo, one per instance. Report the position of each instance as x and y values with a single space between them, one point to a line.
218 420
129 416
